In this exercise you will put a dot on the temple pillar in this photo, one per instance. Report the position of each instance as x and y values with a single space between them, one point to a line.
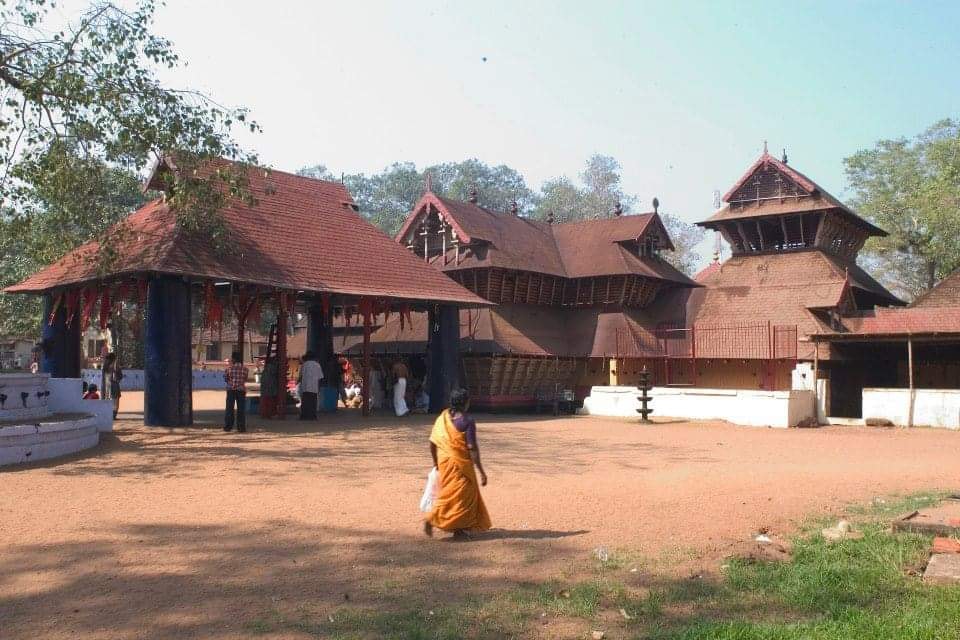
320 334
444 354
61 344
168 370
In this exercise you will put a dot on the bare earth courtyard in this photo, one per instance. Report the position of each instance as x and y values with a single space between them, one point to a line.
194 533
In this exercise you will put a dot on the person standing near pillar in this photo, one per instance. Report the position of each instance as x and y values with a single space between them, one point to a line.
236 378
311 373
400 375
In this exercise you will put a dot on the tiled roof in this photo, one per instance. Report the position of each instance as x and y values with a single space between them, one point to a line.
572 250
780 288
301 234
819 199
912 320
945 294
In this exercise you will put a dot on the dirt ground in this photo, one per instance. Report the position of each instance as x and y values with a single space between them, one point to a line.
194 533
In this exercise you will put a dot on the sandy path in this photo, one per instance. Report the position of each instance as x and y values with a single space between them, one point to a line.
194 533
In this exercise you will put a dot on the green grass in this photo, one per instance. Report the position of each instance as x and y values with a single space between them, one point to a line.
852 589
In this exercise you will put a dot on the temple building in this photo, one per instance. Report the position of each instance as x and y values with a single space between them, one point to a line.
900 365
594 302
792 273
569 297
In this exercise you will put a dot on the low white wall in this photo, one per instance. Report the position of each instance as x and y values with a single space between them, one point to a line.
29 443
745 407
66 396
17 407
931 407
133 379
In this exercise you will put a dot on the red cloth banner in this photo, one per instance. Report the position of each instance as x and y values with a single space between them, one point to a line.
90 295
106 308
73 301
54 308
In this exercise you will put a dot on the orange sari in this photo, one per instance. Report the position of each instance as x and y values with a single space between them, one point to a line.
458 505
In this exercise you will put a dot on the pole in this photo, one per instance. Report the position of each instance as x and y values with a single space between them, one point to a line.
366 363
282 365
816 381
910 401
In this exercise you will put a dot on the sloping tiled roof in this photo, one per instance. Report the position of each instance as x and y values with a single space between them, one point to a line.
302 234
819 199
782 289
572 250
912 320
945 294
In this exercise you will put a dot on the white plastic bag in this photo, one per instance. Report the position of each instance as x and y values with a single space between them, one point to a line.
430 491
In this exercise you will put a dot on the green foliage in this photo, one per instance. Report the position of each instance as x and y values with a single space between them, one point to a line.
65 199
911 188
387 197
82 110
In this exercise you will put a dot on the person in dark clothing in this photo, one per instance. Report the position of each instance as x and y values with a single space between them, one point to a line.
236 378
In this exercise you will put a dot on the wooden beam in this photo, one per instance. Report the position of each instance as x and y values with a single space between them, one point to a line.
783 228
760 236
747 246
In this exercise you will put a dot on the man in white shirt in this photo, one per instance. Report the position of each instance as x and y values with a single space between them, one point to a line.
310 376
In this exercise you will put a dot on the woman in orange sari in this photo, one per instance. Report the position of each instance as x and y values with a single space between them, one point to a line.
458 507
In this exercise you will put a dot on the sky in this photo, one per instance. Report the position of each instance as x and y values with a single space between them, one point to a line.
683 94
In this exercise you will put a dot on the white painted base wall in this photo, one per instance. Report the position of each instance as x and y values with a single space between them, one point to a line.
29 443
133 379
66 396
745 407
931 407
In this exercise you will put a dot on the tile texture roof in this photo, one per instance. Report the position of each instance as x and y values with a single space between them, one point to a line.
301 234
572 250
945 294
819 199
779 288
912 320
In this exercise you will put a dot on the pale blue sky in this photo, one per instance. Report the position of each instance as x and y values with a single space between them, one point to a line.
682 94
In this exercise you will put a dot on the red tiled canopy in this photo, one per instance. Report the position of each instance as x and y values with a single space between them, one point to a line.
301 234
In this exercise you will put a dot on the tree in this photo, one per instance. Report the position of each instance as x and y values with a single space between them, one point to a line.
92 88
911 189
686 238
76 199
387 197
599 196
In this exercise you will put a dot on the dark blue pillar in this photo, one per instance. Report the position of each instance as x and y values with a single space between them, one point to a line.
444 354
60 356
320 333
168 370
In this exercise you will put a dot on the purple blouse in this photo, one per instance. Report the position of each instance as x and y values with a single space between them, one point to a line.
466 425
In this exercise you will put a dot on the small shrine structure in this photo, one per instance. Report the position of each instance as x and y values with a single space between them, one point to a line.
300 239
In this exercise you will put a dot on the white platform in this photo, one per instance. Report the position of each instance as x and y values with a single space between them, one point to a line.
66 396
50 439
931 407
745 407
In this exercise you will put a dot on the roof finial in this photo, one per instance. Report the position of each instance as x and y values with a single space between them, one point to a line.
765 152
429 182
513 207
784 158
550 217
474 197
618 210
656 205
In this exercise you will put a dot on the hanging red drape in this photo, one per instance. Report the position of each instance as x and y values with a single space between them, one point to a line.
142 292
73 301
90 295
106 308
325 303
57 301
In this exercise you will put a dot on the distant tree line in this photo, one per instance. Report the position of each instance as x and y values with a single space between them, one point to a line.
388 196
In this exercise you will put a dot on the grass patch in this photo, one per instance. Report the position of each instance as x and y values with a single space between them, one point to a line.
851 589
